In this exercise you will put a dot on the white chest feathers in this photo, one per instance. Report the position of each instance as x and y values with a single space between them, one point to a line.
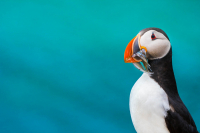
148 106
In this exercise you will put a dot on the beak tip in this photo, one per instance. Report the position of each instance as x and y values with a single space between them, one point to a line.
127 60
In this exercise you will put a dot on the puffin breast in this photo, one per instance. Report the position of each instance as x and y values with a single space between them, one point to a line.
148 106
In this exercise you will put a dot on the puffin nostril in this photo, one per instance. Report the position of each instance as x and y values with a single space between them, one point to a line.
153 37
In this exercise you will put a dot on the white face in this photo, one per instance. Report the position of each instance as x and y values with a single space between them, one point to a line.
157 48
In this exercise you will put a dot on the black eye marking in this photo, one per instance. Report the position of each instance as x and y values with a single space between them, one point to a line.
153 37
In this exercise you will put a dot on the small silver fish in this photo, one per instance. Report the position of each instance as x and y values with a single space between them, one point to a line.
143 65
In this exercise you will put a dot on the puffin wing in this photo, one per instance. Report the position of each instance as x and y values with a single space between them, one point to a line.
179 120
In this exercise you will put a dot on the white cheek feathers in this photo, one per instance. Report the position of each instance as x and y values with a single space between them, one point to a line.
157 48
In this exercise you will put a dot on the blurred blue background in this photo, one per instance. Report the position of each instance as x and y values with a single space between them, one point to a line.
62 68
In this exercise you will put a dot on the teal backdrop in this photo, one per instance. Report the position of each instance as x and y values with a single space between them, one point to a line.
62 64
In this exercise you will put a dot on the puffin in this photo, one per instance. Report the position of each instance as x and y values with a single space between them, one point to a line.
155 105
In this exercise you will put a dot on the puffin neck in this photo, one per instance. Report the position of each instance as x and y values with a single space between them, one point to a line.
163 73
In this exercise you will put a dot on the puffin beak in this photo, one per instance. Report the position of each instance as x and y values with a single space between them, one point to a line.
132 48
136 54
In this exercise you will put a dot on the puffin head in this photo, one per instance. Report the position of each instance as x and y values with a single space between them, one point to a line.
149 44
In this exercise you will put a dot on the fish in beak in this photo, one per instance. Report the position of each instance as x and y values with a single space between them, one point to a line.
136 54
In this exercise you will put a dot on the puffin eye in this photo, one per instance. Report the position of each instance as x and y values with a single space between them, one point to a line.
153 37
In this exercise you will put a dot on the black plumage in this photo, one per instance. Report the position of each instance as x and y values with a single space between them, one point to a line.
178 119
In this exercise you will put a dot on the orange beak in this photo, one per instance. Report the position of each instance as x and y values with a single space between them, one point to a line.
132 48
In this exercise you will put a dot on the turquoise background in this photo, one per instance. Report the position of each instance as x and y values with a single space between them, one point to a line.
62 68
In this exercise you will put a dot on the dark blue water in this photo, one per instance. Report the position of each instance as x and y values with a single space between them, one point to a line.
62 68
